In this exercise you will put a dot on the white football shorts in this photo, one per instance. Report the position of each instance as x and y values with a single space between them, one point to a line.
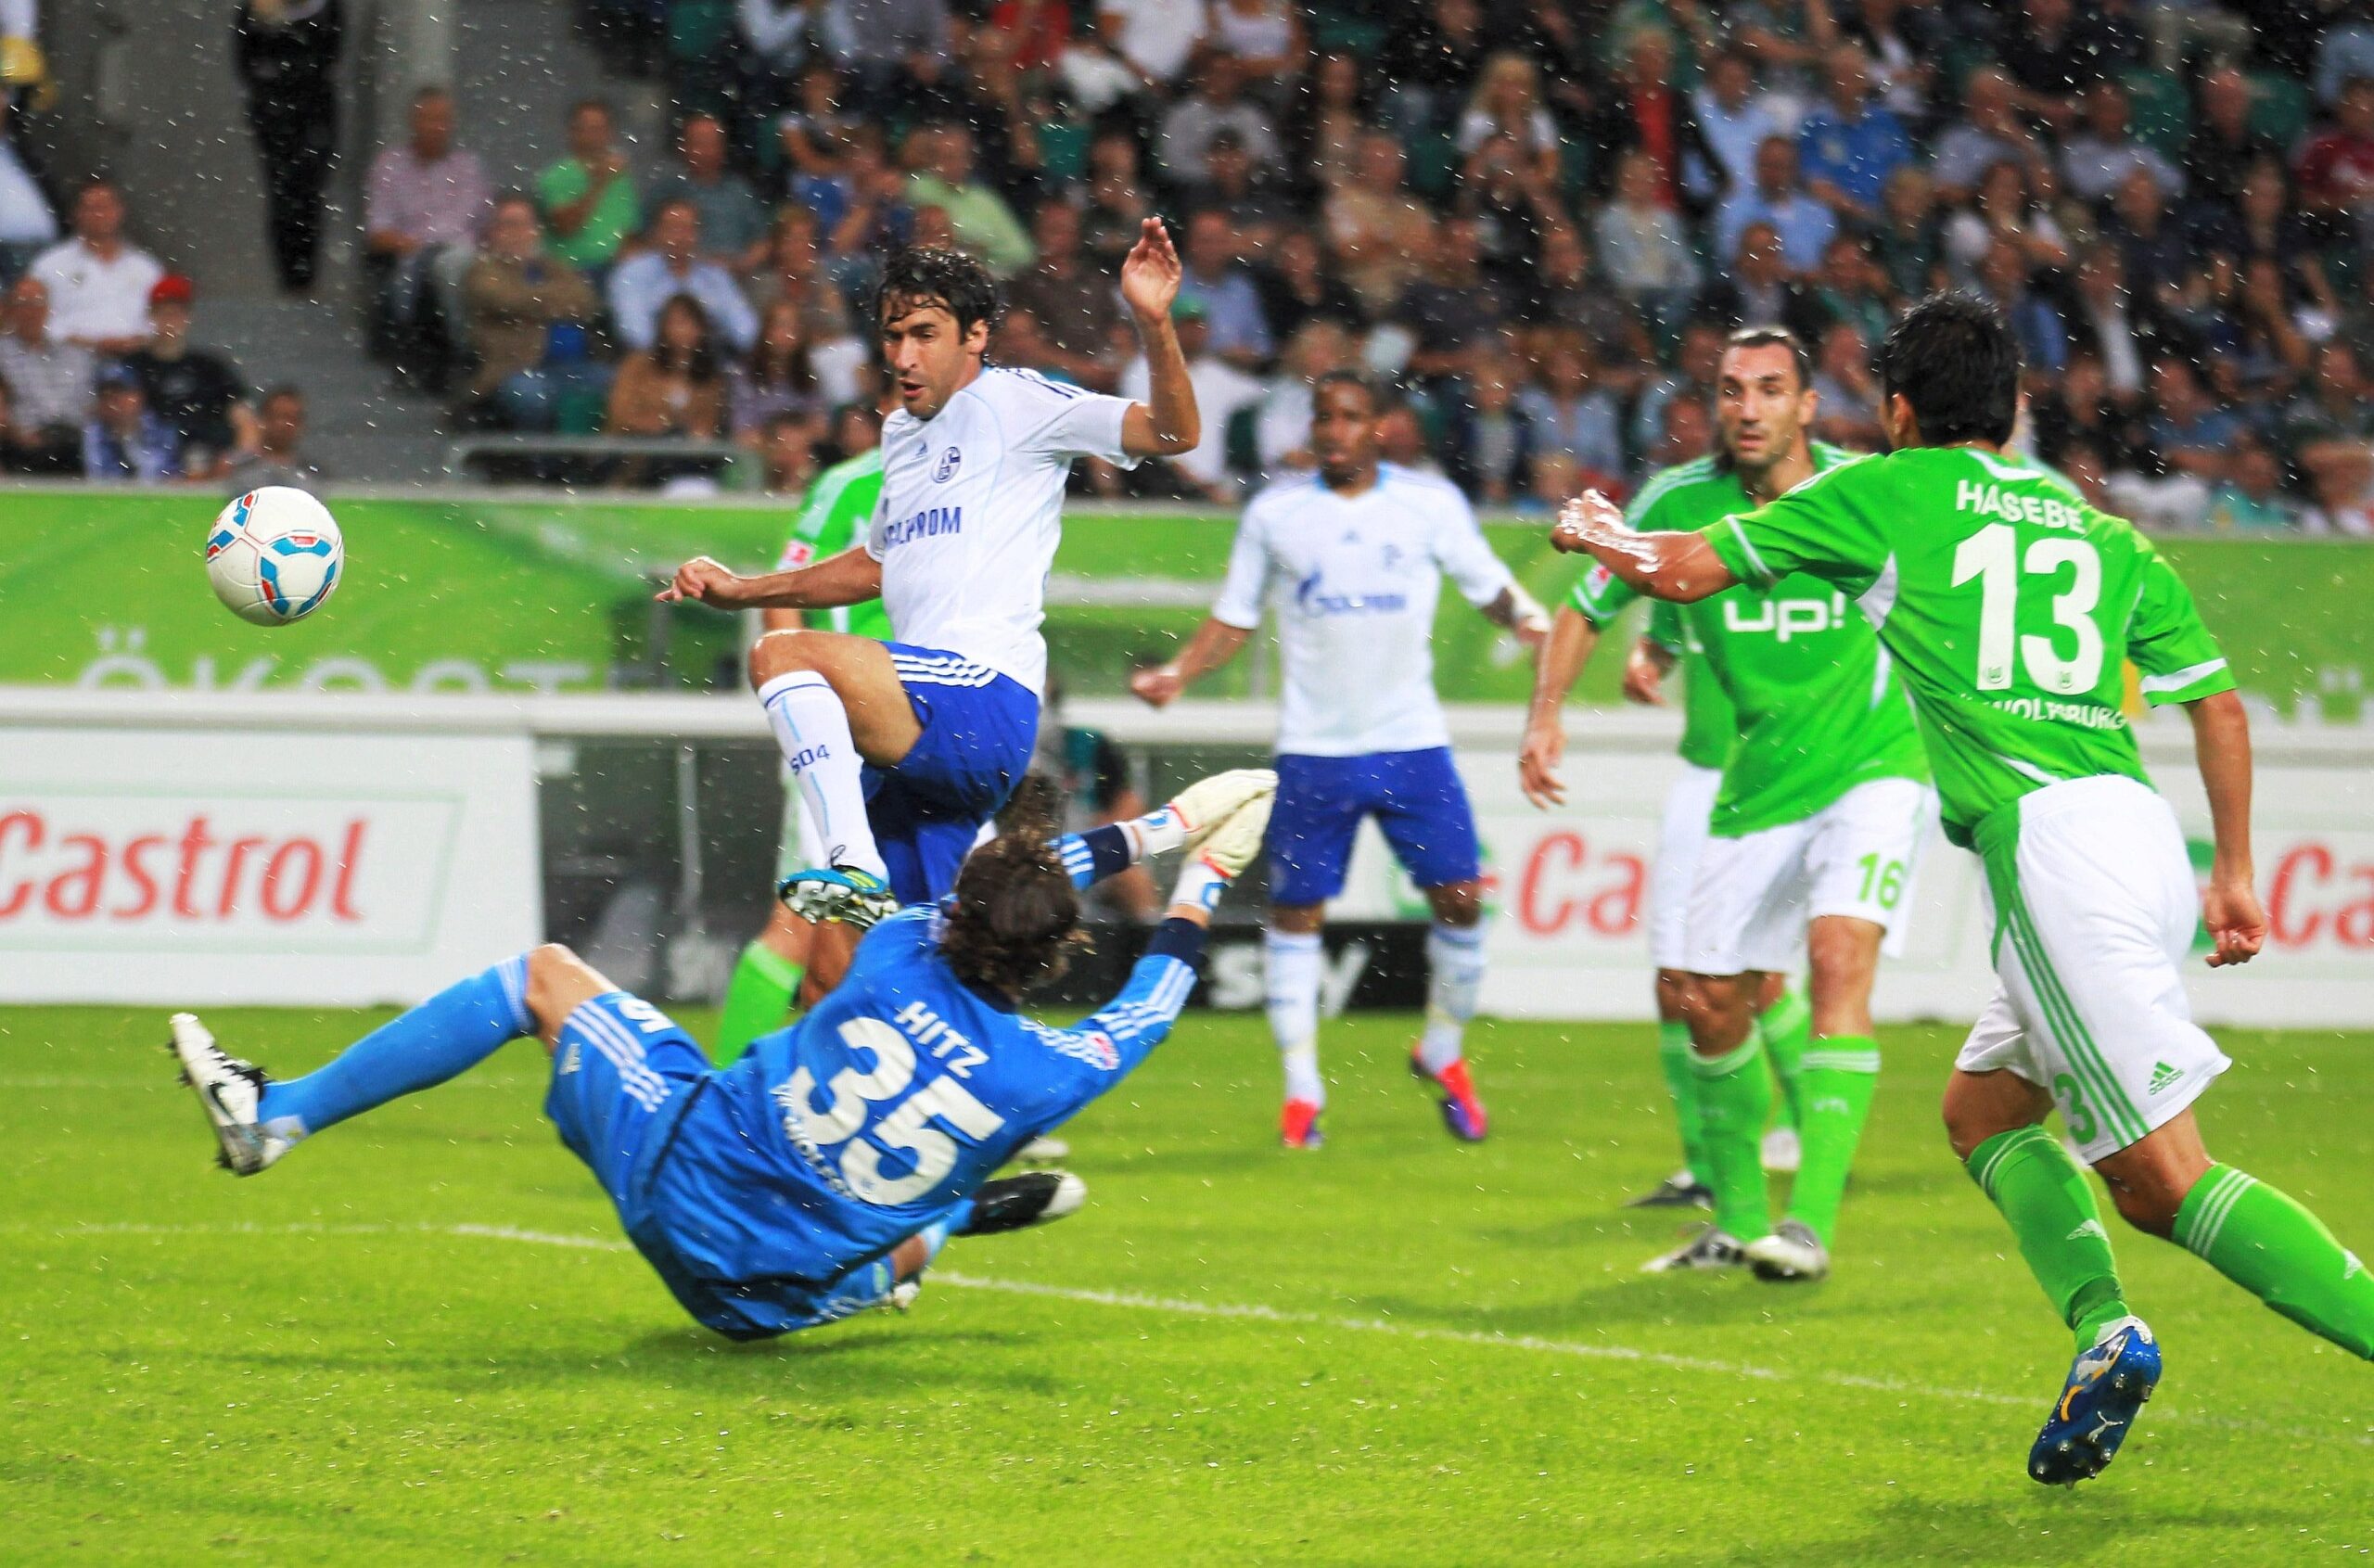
1754 895
2095 910
1680 837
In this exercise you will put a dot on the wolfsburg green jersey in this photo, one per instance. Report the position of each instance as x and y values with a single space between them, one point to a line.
2009 603
835 514
1708 720
1816 707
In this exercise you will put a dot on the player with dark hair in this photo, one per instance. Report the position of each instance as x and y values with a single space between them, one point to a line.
1351 560
902 750
819 1174
2012 608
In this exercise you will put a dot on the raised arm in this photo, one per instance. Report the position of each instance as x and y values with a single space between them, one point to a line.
1167 423
1214 643
1560 663
2229 905
850 578
1681 567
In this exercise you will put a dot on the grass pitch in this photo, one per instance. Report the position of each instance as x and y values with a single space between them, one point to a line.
420 1339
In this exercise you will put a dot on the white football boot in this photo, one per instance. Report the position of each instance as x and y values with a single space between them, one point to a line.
1710 1248
230 1090
1792 1253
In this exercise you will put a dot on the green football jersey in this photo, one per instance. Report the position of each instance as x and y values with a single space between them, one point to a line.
1708 720
836 514
2010 605
1815 705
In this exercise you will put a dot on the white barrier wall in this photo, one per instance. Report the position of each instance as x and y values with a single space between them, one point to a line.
182 867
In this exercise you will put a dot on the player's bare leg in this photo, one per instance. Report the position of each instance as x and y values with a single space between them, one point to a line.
1295 966
1454 976
835 703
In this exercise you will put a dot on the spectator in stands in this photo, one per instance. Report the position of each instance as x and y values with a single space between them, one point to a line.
675 387
780 377
1570 413
1566 294
1031 34
1218 104
2223 148
286 54
1118 197
1735 119
1989 131
1696 362
1380 232
1757 289
1326 121
1282 428
778 36
2329 430
787 449
1848 148
868 217
1848 411
2154 247
2084 411
198 394
427 199
1903 43
2251 498
1642 111
2194 440
2265 224
886 49
1264 37
49 383
1402 436
279 457
940 159
1451 308
2052 56
1688 434
2003 209
2104 152
2004 276
589 197
814 135
530 319
28 228
1233 186
2335 167
122 441
672 265
1849 287
1237 327
1507 102
1078 310
1779 202
1221 390
2120 333
1640 244
98 282
732 219
1490 441
1909 244
1154 38
1300 285
1092 74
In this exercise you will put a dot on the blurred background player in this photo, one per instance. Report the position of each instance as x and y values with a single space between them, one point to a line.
1351 558
817 1175
1703 488
2013 610
1812 839
903 750
835 514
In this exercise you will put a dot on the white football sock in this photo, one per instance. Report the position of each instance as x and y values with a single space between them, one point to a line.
1455 974
1294 964
813 728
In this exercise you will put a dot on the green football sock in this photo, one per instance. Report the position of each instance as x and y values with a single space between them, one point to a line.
759 994
2051 1208
1786 1024
1734 1096
2266 1243
1838 1076
1673 1055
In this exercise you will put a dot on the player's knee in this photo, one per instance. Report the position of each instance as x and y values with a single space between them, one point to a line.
1841 953
1461 903
1714 1007
2149 1205
780 653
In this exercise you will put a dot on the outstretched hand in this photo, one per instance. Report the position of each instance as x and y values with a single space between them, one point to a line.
2230 910
1588 518
1150 273
702 581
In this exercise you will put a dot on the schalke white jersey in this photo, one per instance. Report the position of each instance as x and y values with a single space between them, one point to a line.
972 507
1354 580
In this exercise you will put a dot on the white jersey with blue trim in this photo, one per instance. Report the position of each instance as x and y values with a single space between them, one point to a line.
971 510
1354 580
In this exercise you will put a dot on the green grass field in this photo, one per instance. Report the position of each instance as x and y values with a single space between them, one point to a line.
421 1339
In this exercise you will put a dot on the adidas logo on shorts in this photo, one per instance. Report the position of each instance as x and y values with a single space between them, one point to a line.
2162 1076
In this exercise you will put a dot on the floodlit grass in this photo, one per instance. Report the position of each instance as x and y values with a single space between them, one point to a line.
420 1339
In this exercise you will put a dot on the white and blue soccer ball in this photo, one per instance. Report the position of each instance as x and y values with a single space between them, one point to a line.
273 556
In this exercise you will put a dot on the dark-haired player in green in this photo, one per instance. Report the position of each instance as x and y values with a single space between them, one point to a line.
834 516
2011 610
1810 842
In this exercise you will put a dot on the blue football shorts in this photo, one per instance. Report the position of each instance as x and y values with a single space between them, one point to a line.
979 729
1416 797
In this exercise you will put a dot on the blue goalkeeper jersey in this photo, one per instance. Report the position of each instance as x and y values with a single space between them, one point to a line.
879 1112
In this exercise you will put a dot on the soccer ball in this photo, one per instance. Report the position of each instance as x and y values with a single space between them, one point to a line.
273 556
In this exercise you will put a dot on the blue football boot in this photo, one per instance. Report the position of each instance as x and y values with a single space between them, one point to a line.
846 894
2107 1387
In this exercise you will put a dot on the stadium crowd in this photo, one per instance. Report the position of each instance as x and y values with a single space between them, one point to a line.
1534 219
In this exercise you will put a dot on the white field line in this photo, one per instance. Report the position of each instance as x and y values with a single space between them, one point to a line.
1131 1301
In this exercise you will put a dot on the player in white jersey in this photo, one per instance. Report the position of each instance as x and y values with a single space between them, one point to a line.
902 750
1352 559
